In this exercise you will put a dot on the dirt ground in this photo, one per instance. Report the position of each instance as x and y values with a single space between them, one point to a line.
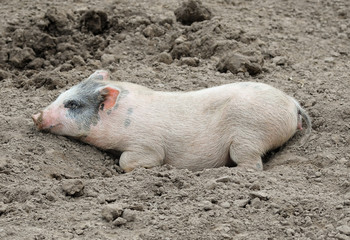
52 187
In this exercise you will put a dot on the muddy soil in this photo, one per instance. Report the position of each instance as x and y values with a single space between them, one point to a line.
52 187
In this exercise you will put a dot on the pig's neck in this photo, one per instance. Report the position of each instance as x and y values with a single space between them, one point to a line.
110 131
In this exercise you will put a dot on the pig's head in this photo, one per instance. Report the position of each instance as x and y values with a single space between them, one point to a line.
76 110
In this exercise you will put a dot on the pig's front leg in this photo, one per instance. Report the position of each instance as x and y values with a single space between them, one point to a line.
130 160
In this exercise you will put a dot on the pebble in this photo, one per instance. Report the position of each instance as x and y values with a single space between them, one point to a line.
165 57
152 31
344 229
224 179
329 59
73 187
101 199
241 203
259 194
112 211
225 204
2 208
180 39
119 221
206 205
290 232
107 59
3 163
342 237
193 62
78 61
129 215
256 203
279 60
3 74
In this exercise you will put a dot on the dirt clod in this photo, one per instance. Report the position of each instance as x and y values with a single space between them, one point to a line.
111 212
73 187
236 63
21 57
192 11
165 57
94 21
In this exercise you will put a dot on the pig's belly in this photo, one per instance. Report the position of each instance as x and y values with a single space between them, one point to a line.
198 159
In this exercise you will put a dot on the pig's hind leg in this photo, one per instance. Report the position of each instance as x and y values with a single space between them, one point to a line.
131 160
245 156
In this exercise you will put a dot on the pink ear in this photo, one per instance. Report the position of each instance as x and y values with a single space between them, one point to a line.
110 96
100 75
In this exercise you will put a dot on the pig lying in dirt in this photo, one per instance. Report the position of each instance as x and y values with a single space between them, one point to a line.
233 124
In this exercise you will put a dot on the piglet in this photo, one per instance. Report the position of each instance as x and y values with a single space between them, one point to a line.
233 124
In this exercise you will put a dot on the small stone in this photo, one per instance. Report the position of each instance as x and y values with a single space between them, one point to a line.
260 194
129 215
79 231
225 204
206 205
78 60
66 67
211 184
192 11
21 57
329 59
36 63
2 208
224 179
193 62
180 40
241 203
94 21
279 60
290 232
50 196
3 74
237 63
107 59
256 203
3 163
308 221
112 211
165 57
342 237
73 187
344 229
339 206
153 31
181 50
101 199
119 221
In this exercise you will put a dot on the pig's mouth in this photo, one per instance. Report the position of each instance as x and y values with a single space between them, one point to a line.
50 128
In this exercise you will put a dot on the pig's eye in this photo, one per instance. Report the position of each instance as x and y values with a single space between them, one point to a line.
72 104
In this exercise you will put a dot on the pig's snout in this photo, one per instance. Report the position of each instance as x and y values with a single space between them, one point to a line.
38 120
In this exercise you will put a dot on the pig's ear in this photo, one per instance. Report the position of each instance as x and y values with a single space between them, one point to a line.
101 75
109 97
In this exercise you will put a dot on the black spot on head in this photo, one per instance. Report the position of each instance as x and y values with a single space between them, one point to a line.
83 107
